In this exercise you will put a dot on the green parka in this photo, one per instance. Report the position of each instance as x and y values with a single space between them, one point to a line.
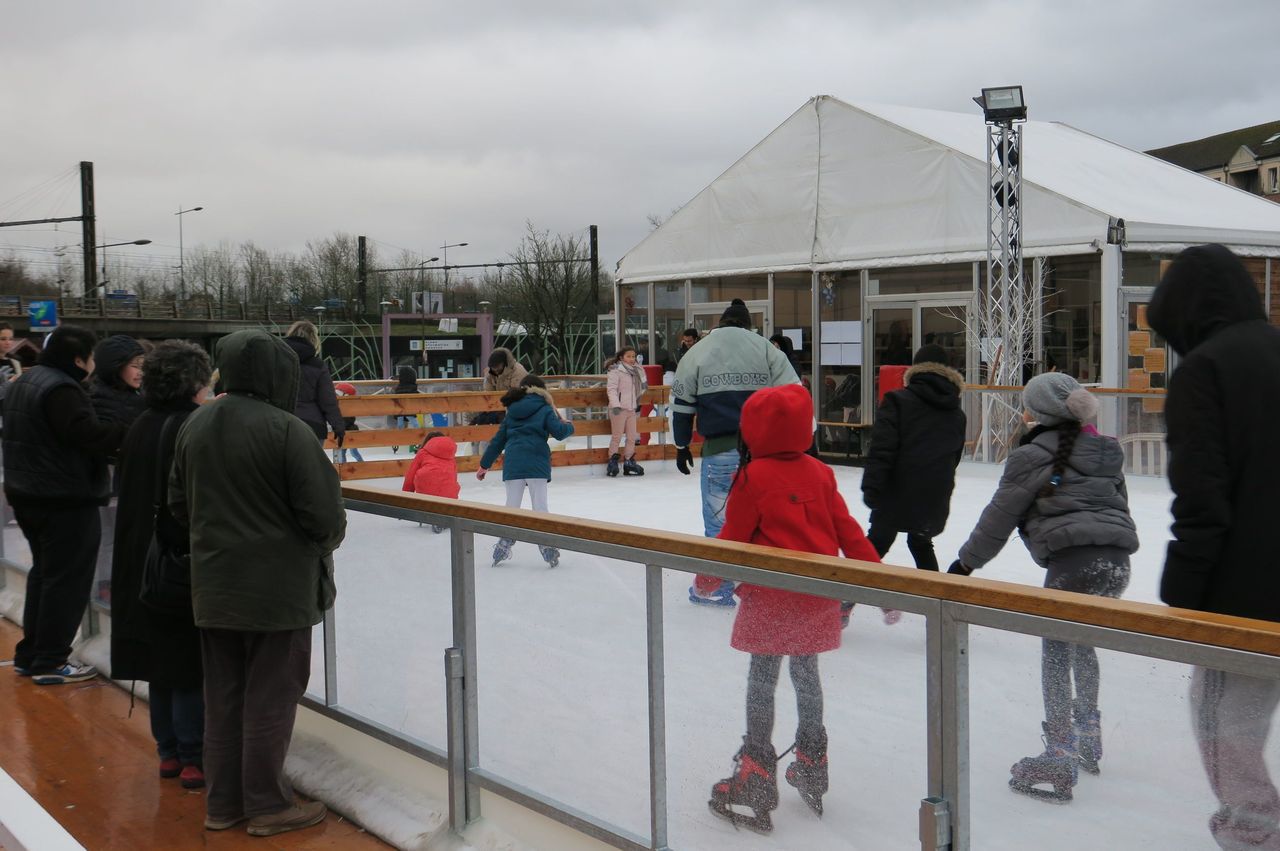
261 500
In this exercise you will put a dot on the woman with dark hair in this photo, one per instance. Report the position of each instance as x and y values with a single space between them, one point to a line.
116 385
161 647
55 477
317 400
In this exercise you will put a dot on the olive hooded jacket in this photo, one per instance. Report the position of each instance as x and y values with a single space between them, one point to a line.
259 496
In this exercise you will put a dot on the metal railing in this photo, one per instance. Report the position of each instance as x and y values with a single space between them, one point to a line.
949 605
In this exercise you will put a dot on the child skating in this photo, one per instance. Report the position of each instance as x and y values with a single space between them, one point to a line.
434 470
626 384
531 420
782 497
1063 489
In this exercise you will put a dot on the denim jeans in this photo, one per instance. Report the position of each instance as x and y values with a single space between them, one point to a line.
355 455
717 476
177 723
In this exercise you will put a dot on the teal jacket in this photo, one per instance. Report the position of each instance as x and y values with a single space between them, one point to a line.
531 420
260 498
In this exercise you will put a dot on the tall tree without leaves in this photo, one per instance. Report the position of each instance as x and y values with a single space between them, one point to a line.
547 290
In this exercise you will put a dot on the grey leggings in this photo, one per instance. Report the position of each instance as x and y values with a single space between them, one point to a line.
762 682
1103 572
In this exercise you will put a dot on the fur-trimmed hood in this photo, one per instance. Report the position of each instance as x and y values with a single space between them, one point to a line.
935 384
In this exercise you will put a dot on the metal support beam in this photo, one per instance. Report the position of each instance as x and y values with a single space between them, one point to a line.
88 227
330 658
657 707
462 547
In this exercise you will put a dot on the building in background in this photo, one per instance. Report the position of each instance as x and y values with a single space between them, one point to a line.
1247 159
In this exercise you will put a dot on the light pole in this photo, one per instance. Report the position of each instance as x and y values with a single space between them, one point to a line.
102 285
445 251
182 280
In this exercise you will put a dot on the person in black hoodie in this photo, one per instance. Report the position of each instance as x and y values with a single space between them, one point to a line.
1220 414
116 385
916 444
55 477
317 401
406 382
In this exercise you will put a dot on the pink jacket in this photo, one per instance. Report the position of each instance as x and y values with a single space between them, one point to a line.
434 470
622 388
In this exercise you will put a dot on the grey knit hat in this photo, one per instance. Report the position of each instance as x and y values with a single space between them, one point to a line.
1054 398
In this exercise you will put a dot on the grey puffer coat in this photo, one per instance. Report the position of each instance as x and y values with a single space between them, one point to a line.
1089 508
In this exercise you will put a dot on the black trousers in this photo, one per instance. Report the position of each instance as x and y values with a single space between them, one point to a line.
921 546
762 683
64 553
252 684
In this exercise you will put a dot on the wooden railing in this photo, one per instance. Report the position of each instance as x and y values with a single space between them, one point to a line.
591 403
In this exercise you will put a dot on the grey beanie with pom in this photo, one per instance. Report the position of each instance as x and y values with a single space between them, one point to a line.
1054 398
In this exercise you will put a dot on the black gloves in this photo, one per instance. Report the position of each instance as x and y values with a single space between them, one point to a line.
684 459
959 569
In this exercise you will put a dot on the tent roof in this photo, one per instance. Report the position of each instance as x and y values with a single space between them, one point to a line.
848 185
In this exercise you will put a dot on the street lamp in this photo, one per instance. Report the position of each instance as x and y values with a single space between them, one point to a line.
445 250
103 285
182 280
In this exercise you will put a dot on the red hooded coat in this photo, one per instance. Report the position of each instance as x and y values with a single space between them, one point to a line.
434 470
785 498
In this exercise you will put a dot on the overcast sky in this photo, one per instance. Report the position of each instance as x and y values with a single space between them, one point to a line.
420 123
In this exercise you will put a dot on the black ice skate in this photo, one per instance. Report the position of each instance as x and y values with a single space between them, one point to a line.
631 468
1088 726
502 550
808 773
753 785
1056 768
550 555
612 469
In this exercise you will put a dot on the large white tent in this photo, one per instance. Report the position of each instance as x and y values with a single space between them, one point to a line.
839 185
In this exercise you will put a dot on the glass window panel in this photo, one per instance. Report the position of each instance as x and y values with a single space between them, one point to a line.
1073 316
952 277
839 369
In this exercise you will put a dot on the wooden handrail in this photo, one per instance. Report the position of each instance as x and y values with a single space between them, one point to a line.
470 401
1143 618
1098 391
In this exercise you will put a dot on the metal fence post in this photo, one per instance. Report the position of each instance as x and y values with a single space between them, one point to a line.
463 564
454 689
944 813
330 658
657 707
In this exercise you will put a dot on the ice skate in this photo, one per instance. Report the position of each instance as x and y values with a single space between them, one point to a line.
631 468
846 614
550 555
753 785
722 596
1056 767
612 469
501 551
1088 728
808 773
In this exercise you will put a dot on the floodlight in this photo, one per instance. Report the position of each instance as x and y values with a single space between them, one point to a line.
1002 103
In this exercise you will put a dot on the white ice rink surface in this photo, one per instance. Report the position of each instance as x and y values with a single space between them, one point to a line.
563 700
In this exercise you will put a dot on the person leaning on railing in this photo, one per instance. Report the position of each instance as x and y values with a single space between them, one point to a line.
1221 414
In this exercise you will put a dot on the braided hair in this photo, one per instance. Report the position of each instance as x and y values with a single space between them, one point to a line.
1067 434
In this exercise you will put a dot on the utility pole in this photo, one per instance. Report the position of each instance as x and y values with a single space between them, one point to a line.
87 227
595 268
361 263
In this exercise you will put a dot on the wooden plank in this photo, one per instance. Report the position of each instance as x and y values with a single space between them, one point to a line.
364 438
1097 391
396 468
1129 616
468 401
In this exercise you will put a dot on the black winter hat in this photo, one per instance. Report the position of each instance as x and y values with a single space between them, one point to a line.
931 353
736 314
407 376
111 355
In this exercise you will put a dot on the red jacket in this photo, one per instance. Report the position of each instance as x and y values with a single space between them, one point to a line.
434 470
785 498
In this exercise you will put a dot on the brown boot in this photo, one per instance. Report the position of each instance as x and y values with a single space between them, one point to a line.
295 818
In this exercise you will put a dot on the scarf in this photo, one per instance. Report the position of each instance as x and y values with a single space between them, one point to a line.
637 377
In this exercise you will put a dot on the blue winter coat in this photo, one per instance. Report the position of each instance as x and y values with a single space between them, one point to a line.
523 434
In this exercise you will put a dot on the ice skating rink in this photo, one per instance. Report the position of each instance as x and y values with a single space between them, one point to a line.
563 700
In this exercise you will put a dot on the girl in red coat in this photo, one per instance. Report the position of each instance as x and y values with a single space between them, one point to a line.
782 497
434 470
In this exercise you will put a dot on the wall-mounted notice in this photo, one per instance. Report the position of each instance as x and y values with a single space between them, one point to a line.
796 336
841 344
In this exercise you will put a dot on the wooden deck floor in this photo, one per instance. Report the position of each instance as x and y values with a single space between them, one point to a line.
75 750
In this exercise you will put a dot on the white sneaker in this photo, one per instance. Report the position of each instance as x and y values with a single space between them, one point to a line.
68 673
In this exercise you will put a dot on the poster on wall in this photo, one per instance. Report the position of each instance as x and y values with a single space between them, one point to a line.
841 344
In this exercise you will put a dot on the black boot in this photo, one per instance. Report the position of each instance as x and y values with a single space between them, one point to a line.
631 468
808 773
753 785
1056 768
612 469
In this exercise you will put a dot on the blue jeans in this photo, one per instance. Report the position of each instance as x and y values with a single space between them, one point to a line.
717 476
177 723
355 454
408 421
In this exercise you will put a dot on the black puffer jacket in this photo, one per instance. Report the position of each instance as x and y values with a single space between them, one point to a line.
1221 414
113 400
317 401
916 443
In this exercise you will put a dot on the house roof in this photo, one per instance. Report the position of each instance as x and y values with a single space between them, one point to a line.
841 184
1216 151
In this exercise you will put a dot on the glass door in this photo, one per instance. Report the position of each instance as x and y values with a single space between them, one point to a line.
900 327
892 341
1148 361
